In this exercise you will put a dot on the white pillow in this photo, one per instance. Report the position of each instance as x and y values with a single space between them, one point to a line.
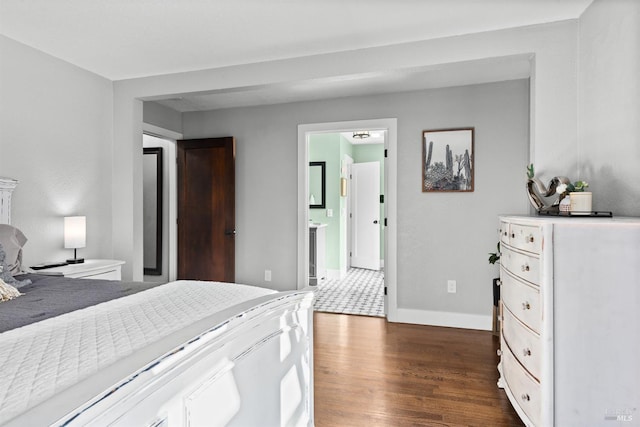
12 240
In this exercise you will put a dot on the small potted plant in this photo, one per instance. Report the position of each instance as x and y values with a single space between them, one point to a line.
495 256
580 200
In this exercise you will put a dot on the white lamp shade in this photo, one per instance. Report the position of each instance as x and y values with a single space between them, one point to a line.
75 232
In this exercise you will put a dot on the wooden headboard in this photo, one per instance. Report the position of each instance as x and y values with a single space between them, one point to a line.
6 188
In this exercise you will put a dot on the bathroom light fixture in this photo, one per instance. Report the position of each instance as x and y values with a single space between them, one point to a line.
361 134
75 236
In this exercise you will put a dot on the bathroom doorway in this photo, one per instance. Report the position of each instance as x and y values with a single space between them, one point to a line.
346 228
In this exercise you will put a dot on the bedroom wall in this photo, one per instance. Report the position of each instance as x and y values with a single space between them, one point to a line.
609 104
552 49
440 236
56 124
161 116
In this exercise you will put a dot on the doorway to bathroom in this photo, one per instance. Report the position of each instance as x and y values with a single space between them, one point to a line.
346 221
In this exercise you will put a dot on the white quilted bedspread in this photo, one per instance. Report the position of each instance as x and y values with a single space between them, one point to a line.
41 359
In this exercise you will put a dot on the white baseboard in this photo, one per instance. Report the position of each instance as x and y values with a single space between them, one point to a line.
443 318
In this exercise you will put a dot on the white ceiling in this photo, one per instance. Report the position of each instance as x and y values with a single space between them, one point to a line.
457 74
375 137
121 39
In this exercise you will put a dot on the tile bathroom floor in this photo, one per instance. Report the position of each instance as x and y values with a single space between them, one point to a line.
361 292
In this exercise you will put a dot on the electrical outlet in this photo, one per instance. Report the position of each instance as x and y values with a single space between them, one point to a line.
267 275
451 286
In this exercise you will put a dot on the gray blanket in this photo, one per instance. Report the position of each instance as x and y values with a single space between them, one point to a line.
50 296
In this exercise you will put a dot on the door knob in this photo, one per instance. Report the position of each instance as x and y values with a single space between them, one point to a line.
375 221
230 232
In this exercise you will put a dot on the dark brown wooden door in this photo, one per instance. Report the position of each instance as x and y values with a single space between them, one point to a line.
206 209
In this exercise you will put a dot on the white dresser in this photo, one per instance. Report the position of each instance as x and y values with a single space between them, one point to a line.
570 334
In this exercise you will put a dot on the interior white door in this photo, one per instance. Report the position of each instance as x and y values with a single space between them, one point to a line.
365 208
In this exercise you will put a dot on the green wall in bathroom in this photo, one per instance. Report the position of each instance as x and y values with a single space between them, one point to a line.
326 148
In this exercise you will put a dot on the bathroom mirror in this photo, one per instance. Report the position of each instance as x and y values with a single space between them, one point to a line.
316 185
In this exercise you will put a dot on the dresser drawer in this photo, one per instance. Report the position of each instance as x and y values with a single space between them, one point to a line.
504 233
524 388
523 342
525 237
526 267
523 300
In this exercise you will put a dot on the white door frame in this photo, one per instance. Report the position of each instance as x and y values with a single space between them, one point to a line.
390 126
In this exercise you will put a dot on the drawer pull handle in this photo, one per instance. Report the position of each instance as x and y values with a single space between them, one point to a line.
513 235
530 239
525 267
499 352
526 397
526 306
526 352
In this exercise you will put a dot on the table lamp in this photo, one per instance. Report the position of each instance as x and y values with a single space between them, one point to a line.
75 236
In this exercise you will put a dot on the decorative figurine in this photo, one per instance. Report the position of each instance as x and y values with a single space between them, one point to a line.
536 190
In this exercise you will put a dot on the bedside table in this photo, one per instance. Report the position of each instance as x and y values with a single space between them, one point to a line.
105 269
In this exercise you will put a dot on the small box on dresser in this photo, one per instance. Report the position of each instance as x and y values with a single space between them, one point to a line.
570 335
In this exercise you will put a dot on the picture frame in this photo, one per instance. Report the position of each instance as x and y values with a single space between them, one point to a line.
448 160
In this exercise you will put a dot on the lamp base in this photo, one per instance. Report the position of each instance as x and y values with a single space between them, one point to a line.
75 261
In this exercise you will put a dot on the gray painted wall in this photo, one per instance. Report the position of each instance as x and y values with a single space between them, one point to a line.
609 107
56 135
552 49
161 116
440 236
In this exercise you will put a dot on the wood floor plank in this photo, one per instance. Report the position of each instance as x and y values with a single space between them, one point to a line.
368 372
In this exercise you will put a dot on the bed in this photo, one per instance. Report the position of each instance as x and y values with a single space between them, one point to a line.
187 353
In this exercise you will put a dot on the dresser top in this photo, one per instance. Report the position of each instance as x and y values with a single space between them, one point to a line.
574 220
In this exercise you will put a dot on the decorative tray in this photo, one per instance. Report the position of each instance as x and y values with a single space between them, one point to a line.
580 214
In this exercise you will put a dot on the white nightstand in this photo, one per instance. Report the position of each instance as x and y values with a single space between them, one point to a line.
105 269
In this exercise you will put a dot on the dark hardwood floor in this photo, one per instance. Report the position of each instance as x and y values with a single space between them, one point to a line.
372 373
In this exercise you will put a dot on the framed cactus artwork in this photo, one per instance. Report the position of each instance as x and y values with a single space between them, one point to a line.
447 160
